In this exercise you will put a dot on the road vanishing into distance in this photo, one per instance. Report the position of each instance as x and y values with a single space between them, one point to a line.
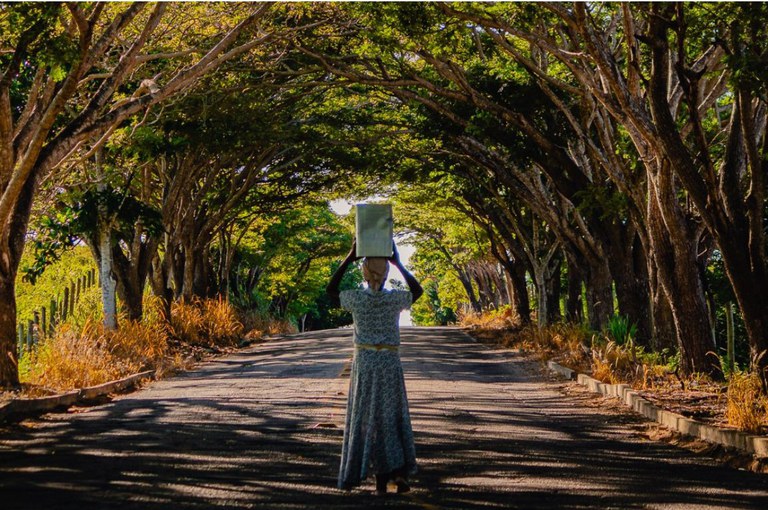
262 428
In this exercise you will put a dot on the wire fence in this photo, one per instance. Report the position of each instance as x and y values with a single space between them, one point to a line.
44 320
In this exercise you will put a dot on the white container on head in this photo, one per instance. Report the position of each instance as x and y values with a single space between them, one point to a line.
373 229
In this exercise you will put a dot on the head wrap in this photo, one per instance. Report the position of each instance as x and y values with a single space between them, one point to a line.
375 271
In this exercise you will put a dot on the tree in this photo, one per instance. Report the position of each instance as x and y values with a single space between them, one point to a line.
570 168
70 73
296 250
662 84
533 163
432 223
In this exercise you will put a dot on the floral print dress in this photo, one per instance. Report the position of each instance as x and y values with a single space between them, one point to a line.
378 434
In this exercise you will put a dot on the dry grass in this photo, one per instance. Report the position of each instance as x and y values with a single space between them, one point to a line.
257 325
73 358
614 363
69 360
746 404
83 353
86 354
566 343
504 317
209 322
186 322
143 345
697 396
220 323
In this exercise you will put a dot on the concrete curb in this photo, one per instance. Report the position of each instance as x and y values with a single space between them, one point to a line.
565 372
16 409
757 445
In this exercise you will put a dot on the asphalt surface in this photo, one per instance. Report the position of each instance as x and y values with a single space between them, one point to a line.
263 428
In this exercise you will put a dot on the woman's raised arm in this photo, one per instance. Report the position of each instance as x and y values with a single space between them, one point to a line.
333 286
413 284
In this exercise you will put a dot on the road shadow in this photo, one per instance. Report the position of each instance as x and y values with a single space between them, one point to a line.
262 429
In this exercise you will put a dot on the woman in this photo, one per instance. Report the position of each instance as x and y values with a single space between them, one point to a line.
378 434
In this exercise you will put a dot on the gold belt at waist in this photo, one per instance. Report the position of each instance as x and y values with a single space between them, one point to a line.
377 347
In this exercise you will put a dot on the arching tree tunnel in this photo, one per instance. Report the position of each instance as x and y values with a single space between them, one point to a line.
572 162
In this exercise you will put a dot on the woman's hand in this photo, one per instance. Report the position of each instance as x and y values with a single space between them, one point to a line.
352 255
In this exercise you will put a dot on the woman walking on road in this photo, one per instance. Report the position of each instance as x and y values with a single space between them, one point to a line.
378 434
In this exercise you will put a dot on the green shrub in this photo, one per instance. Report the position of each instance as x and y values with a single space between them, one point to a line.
620 330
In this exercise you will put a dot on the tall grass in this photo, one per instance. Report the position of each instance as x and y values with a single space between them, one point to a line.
257 324
503 317
746 404
77 357
208 322
81 352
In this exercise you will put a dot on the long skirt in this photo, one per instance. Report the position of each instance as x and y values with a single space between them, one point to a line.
378 434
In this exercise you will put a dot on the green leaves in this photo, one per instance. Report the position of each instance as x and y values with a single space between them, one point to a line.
602 201
81 216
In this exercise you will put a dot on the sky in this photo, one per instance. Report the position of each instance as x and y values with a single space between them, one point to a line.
342 208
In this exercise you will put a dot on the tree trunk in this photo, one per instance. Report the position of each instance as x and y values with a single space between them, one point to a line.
177 263
540 280
132 271
106 276
629 268
160 281
188 276
483 292
9 374
504 286
12 239
574 309
599 294
752 296
675 257
131 297
553 292
664 335
521 301
205 285
466 282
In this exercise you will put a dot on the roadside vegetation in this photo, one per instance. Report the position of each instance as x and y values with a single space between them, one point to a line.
83 352
735 398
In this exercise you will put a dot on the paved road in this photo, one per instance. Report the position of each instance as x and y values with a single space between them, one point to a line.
262 429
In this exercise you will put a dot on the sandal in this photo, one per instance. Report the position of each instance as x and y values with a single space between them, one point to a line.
402 485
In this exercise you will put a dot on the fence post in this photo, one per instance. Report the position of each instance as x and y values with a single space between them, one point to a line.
30 327
730 337
72 298
65 305
77 292
36 330
52 321
43 323
21 339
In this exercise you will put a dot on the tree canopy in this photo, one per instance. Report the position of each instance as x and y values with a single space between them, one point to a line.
570 161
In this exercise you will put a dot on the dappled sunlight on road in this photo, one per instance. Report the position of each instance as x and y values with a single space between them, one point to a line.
262 428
